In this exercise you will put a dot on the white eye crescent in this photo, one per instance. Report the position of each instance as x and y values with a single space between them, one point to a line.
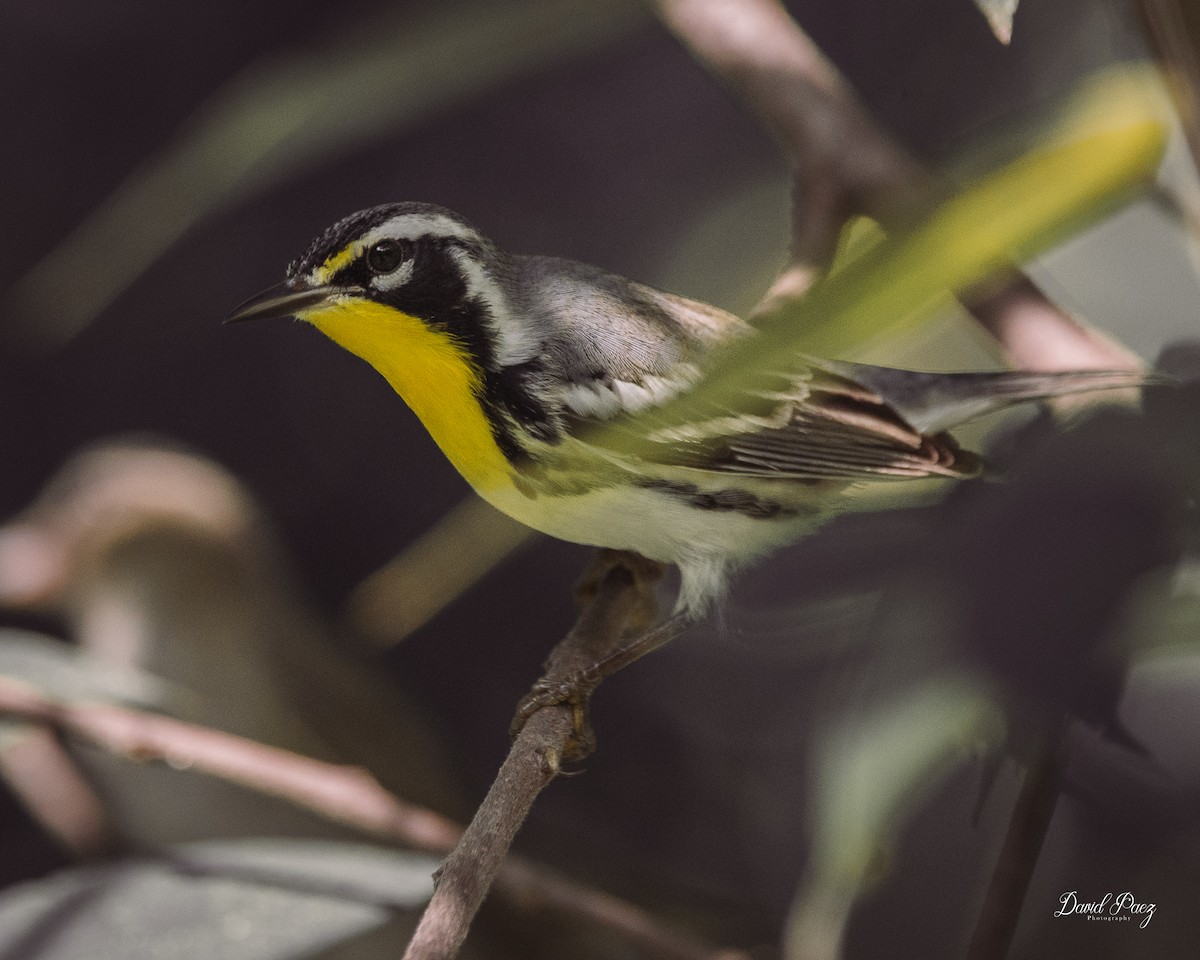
391 262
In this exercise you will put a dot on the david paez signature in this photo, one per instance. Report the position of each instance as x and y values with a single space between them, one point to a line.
1112 907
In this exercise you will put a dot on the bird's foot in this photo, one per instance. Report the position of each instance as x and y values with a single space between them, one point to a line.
572 692
614 629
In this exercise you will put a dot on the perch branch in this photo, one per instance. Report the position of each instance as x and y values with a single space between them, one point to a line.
844 164
547 737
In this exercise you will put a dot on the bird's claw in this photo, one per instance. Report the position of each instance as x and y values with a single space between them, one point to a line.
574 694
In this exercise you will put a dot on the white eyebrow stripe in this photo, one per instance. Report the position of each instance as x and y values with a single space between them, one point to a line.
413 226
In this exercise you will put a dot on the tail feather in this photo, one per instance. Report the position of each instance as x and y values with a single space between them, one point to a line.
933 402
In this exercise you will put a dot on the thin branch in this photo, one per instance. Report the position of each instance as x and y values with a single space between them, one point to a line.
845 164
1019 853
346 795
1037 335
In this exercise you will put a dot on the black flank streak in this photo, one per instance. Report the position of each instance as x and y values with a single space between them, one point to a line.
724 501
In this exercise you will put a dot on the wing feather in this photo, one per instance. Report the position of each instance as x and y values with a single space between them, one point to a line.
619 351
824 428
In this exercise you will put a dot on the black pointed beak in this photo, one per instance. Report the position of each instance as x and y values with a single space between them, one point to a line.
283 300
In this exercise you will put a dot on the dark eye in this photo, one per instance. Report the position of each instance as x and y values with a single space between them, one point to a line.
385 256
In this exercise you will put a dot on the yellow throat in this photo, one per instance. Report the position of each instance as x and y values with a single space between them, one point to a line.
434 375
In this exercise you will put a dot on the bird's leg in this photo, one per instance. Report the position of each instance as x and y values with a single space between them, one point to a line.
613 630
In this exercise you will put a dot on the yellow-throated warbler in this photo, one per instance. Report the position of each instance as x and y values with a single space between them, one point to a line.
513 362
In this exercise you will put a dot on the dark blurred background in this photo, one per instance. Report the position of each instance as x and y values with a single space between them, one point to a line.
605 143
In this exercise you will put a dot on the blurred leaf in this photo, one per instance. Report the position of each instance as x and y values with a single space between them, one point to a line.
868 774
244 900
353 871
859 236
287 115
1108 143
999 15
63 672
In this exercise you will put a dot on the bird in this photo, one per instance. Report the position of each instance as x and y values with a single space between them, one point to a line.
523 368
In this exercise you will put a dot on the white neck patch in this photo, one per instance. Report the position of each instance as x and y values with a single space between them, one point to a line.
512 339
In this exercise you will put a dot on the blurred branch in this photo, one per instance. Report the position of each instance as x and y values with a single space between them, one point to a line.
999 15
53 790
453 555
844 164
1172 29
1019 853
347 795
1038 335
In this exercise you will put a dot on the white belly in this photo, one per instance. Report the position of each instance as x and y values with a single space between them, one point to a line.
706 544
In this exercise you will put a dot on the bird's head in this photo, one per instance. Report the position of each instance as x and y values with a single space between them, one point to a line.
422 296
382 279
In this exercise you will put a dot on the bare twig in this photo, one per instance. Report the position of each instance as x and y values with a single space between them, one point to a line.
1037 335
1019 854
347 795
845 164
